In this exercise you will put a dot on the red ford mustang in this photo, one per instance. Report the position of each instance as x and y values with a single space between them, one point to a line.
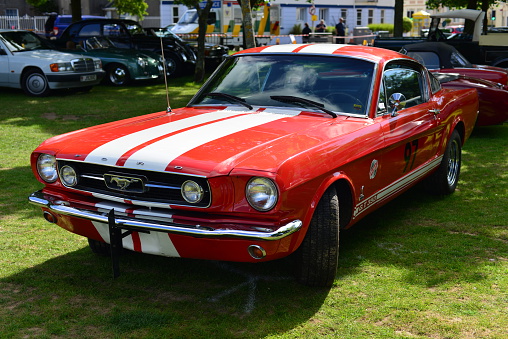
282 147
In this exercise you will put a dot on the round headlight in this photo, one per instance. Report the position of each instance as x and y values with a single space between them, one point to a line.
261 193
68 176
192 192
46 167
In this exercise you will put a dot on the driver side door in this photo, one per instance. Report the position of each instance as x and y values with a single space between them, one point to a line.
409 124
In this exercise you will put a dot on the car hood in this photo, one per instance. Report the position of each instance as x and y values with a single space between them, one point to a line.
47 54
204 141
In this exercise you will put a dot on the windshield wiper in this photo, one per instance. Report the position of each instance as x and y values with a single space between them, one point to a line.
302 102
229 97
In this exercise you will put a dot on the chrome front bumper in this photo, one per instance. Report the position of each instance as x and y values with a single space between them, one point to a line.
60 207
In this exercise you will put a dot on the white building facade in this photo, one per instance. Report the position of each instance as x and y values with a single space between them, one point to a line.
285 14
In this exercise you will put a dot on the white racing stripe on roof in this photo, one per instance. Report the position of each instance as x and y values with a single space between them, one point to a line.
321 48
280 48
176 145
110 152
315 48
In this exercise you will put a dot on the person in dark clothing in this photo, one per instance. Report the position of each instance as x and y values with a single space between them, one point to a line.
306 31
340 31
48 26
321 27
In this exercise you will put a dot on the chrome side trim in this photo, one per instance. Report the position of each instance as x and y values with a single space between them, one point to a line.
60 207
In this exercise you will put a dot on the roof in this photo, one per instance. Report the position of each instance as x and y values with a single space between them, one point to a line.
443 50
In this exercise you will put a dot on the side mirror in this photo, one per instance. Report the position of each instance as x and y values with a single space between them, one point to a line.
396 102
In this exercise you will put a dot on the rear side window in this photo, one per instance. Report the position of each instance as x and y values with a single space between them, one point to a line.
90 30
428 59
114 30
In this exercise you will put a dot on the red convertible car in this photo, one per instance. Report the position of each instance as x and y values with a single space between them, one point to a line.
455 72
281 148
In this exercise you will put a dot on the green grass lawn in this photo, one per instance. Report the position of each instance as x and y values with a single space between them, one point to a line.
420 267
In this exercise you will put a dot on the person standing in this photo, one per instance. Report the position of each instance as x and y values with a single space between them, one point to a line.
340 31
306 32
321 27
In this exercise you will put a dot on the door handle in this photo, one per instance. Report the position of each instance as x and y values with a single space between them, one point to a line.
435 111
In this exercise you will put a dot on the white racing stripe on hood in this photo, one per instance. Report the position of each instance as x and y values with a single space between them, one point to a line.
109 153
176 145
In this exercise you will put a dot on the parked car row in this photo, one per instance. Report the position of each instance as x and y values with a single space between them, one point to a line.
126 51
31 63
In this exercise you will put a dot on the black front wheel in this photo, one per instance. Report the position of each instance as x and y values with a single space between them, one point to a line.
174 66
117 75
317 258
444 180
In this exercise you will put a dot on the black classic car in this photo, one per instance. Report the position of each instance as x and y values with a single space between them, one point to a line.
179 56
214 53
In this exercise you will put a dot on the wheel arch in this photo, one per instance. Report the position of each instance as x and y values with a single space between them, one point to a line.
345 192
28 69
501 62
461 129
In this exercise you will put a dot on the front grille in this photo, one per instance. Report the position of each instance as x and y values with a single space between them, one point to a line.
83 65
158 187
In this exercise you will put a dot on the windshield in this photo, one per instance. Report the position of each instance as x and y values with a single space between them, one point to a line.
189 17
18 41
337 84
166 33
98 43
135 29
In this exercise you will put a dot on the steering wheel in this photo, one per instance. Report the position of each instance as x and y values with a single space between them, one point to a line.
347 102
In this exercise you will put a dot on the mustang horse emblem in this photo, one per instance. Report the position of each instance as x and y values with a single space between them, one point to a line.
123 183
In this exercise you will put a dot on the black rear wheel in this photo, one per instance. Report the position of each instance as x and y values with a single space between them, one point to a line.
318 256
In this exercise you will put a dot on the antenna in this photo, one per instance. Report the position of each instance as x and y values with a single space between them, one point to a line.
168 110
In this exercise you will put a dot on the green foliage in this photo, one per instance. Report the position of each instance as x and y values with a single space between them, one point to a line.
381 27
457 4
133 7
297 29
407 24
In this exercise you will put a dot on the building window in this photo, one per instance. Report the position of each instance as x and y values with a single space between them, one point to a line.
300 14
410 13
343 14
382 19
11 12
370 18
358 17
176 15
323 14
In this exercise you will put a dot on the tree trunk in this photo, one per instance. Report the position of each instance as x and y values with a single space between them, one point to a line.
76 10
398 29
248 30
199 72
